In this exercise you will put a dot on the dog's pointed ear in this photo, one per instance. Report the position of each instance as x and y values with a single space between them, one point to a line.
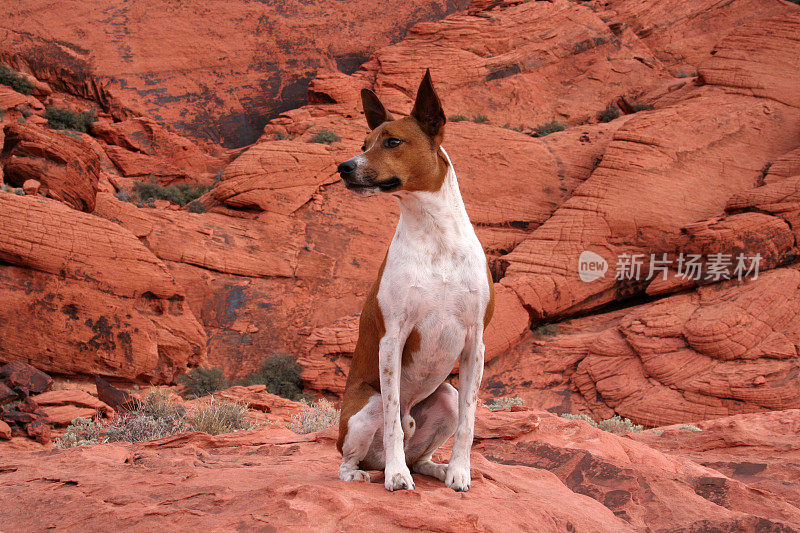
428 108
374 111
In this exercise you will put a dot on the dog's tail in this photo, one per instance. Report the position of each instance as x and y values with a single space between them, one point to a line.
409 426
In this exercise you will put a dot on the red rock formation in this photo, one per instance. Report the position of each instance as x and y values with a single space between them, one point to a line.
551 474
66 167
99 301
213 70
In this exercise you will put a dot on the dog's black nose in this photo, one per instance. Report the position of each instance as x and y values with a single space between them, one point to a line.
347 167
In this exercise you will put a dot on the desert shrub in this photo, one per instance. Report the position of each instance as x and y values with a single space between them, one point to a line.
281 374
196 206
548 128
203 381
547 330
21 120
81 432
641 107
618 425
156 417
581 416
66 119
26 111
219 416
314 417
325 136
16 81
480 119
689 427
280 136
514 128
180 193
496 404
608 114
123 196
457 118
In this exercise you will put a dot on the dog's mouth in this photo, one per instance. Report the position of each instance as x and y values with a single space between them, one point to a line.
383 186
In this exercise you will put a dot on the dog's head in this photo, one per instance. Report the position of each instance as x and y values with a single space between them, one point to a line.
399 155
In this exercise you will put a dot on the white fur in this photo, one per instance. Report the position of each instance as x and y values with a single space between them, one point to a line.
434 281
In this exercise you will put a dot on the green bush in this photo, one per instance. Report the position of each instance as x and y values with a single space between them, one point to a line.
690 427
457 118
510 127
26 111
547 330
81 432
203 381
496 404
325 136
281 374
67 119
641 107
181 193
196 206
16 81
314 417
548 128
219 416
480 119
608 114
616 424
280 136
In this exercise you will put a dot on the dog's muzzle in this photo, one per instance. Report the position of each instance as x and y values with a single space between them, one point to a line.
355 181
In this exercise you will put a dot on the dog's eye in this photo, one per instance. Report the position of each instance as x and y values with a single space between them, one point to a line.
392 142
363 147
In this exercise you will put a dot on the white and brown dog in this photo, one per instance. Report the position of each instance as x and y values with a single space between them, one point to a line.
428 308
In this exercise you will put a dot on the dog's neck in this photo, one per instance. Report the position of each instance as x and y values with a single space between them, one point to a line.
438 216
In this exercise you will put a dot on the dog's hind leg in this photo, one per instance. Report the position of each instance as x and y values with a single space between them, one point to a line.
436 419
360 434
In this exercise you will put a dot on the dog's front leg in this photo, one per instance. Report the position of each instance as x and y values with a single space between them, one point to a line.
470 374
398 476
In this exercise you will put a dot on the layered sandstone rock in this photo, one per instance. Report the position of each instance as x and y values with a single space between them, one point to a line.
82 295
549 474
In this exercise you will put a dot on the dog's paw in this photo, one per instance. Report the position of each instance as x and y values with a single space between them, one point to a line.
458 478
353 475
429 468
399 480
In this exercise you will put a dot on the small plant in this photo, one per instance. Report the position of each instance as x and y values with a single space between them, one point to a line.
123 195
16 81
281 374
657 432
21 120
203 381
196 206
690 427
548 128
67 119
480 119
618 425
547 330
26 111
510 127
693 74
581 416
496 404
314 417
457 118
608 114
219 416
641 107
81 432
280 136
181 193
325 136
154 418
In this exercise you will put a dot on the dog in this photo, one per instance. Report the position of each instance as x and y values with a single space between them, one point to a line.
427 310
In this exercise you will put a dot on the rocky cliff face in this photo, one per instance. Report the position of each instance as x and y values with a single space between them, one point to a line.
661 131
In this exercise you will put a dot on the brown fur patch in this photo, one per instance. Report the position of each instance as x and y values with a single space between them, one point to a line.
487 316
417 161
